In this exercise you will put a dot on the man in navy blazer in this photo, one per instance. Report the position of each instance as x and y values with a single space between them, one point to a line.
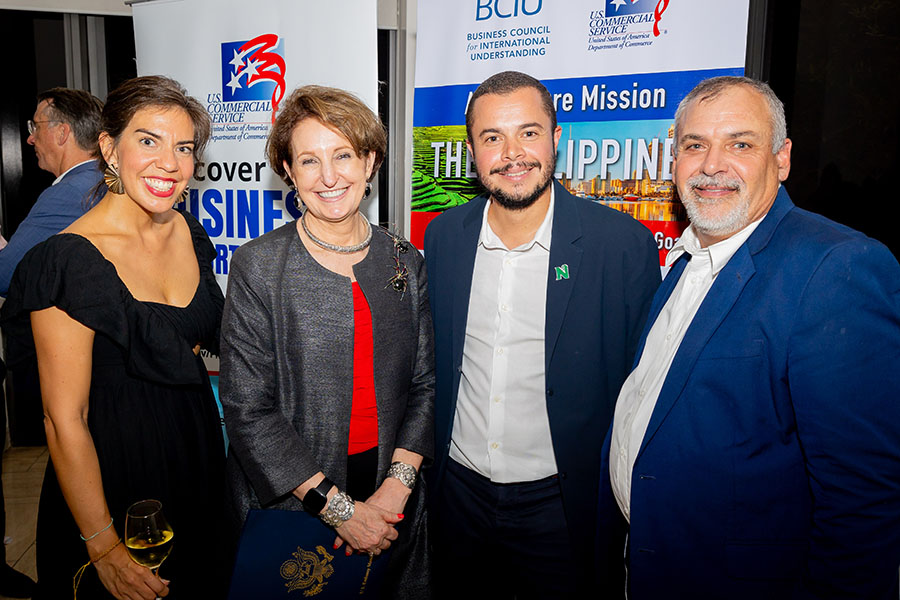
64 134
538 299
755 450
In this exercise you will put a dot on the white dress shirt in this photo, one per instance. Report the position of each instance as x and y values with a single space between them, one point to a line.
501 428
641 389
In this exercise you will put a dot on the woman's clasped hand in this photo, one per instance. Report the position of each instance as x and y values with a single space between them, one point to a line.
370 530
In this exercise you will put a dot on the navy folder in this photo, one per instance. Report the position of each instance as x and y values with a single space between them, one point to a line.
290 554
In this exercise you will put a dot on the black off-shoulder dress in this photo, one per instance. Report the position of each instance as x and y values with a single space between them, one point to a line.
152 413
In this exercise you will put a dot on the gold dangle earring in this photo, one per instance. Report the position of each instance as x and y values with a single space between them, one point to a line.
185 194
112 180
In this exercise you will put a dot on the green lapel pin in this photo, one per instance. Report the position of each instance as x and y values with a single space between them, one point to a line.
562 272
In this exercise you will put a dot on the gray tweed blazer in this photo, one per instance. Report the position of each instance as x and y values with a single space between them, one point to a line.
287 365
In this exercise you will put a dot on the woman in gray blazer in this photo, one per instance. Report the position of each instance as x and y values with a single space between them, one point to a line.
327 375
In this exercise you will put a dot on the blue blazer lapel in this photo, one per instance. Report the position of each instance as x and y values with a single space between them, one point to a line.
464 264
565 254
715 307
659 300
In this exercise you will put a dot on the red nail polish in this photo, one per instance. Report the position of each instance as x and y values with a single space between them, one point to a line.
336 545
399 515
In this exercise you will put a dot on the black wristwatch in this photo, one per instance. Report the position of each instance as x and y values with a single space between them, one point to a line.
316 499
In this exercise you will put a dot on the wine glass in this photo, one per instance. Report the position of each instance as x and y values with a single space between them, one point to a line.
148 536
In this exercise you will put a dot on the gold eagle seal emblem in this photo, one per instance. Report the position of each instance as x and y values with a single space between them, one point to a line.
307 571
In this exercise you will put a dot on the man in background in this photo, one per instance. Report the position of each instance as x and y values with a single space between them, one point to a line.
64 132
755 450
538 298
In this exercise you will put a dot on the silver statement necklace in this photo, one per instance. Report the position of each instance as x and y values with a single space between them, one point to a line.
334 247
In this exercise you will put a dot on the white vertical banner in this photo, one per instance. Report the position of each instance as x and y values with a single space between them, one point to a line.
240 61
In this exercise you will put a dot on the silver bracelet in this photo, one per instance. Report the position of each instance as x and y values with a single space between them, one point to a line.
340 509
404 472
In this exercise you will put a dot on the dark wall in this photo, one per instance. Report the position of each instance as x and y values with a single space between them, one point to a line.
41 64
48 41
835 64
121 63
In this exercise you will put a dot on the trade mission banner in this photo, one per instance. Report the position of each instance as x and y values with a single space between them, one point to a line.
617 70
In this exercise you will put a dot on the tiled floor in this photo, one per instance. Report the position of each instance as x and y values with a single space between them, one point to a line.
23 472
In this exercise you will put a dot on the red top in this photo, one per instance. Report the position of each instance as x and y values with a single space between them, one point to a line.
364 414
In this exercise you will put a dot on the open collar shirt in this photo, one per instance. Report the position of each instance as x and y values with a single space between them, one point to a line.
641 389
501 428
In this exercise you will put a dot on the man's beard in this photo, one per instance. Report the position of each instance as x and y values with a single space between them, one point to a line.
732 221
521 201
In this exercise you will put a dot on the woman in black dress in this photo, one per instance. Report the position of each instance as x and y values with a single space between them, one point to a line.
120 304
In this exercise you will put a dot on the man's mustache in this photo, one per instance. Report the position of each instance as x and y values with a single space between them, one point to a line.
515 167
721 181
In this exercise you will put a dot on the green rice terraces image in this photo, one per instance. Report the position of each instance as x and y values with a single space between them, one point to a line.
432 193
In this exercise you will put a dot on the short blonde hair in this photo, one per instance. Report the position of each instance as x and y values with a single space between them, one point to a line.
335 108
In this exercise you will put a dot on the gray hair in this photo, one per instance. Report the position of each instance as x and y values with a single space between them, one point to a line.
709 89
80 110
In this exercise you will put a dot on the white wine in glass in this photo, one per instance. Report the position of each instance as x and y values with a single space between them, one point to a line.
148 536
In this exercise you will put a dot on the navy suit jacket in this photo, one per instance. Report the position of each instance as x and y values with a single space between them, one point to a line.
771 464
593 322
55 209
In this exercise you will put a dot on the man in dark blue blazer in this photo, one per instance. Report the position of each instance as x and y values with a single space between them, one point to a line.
64 134
538 299
755 450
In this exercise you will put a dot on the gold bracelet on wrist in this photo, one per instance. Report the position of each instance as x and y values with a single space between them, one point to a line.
108 550
76 581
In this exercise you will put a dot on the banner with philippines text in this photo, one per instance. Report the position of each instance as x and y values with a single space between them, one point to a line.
616 69
240 61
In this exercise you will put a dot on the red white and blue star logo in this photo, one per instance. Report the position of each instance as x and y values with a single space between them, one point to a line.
254 70
615 8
